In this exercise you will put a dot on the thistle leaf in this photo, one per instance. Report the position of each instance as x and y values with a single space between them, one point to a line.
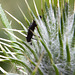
17 20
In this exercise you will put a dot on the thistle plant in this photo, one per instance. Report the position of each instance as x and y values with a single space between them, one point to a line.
53 44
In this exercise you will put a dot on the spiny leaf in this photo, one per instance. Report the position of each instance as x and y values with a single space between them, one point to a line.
36 68
17 20
34 64
24 16
17 61
30 9
19 31
3 71
36 9
4 51
67 51
5 22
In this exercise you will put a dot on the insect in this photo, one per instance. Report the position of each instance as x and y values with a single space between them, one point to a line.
31 29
